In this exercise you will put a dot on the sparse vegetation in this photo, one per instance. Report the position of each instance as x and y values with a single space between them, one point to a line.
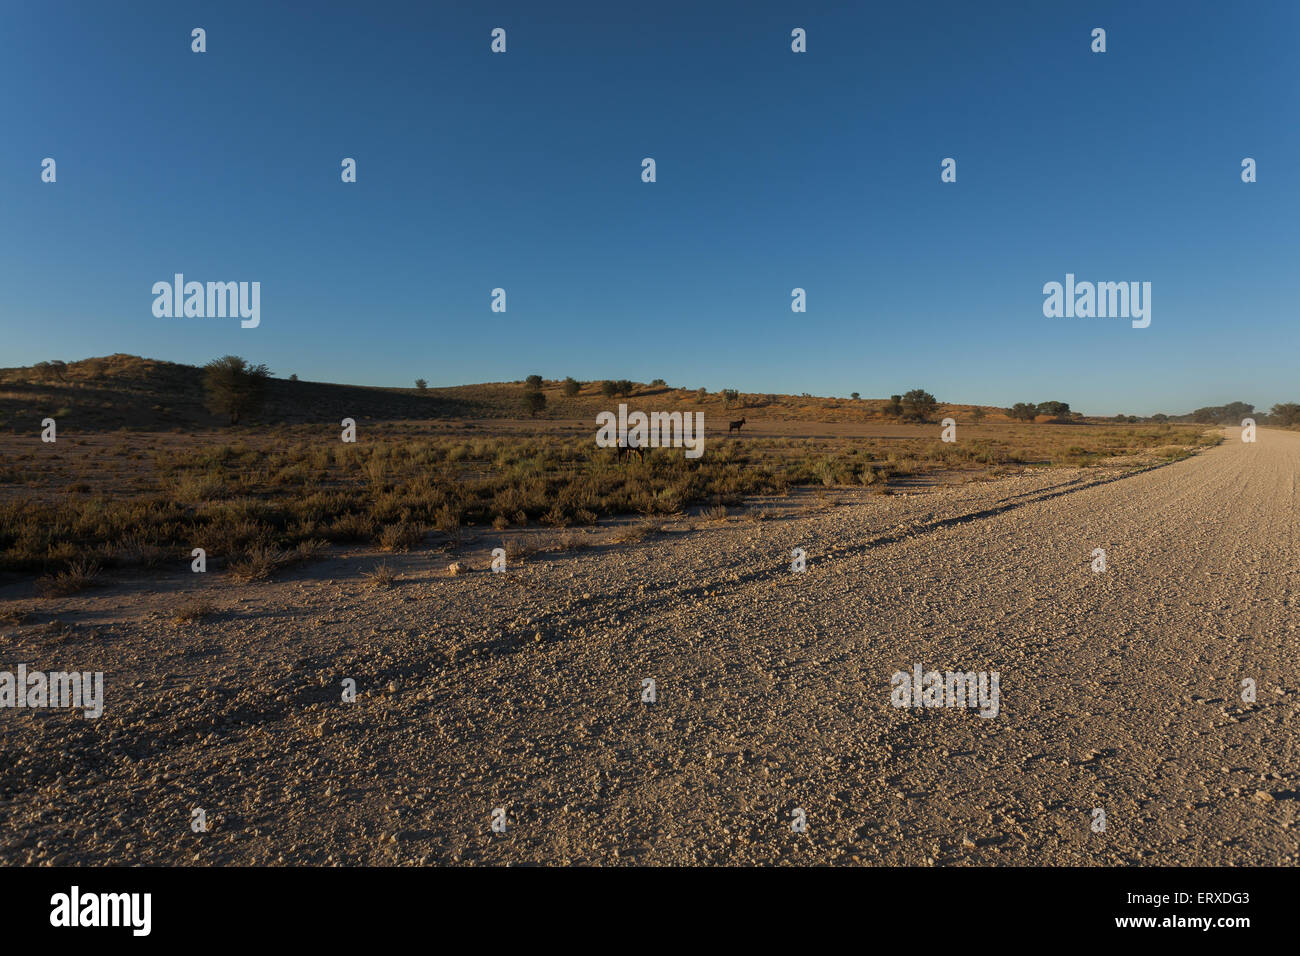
919 405
535 402
234 387
191 612
253 497
380 577
78 576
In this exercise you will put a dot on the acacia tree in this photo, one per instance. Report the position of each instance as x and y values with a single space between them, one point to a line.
234 387
1285 413
919 404
534 401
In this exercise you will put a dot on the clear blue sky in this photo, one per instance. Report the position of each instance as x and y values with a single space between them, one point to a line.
775 170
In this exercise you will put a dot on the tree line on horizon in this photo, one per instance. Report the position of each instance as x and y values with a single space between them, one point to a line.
235 388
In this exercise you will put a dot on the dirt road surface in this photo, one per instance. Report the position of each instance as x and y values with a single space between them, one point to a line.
1120 691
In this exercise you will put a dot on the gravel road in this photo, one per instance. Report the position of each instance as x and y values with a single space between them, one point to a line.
1120 691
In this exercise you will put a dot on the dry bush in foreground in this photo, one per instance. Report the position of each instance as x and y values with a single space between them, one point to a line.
637 532
262 560
193 611
78 576
381 576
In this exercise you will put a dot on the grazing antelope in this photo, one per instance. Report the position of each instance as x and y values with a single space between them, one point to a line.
627 450
735 426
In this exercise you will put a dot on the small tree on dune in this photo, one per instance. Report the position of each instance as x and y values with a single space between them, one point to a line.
234 387
919 404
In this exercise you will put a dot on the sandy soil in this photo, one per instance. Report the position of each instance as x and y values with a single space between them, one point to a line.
1120 690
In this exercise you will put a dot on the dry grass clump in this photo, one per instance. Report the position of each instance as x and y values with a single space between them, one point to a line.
260 561
571 541
78 576
192 612
516 549
380 577
630 533
400 537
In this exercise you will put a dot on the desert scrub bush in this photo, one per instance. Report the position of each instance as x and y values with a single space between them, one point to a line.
260 561
639 531
191 612
77 576
400 537
351 527
193 487
447 520
827 472
379 577
570 541
716 513
516 549
134 549
257 562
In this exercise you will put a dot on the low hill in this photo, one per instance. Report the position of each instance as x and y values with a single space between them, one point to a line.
126 391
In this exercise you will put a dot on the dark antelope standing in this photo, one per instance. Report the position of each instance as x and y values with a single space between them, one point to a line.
735 426
627 451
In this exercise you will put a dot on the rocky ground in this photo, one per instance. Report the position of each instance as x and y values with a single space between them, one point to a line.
1120 690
